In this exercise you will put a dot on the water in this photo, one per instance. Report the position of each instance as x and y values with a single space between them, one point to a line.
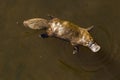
25 56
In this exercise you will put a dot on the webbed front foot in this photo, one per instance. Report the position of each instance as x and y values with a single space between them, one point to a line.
75 49
44 35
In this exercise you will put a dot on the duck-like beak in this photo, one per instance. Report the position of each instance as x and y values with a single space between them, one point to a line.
94 46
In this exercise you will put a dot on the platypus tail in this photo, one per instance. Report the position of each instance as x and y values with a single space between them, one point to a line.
36 23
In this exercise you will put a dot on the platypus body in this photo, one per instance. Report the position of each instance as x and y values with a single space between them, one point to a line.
64 30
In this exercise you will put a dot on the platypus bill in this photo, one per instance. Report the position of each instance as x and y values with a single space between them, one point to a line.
66 30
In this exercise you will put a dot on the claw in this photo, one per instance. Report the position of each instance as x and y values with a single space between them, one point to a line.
75 49
89 28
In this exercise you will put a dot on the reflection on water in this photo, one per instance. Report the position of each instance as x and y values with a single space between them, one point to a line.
24 56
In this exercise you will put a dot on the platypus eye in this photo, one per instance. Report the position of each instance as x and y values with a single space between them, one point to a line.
87 43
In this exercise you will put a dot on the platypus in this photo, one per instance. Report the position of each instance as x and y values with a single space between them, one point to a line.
65 30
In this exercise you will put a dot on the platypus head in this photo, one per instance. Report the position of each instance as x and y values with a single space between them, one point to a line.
87 40
36 23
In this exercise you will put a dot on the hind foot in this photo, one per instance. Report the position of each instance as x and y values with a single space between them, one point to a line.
44 35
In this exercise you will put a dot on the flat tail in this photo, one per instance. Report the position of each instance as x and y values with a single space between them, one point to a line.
36 23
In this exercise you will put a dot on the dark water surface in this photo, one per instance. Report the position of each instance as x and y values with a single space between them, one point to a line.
25 56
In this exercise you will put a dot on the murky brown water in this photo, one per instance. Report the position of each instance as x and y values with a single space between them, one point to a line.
25 56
